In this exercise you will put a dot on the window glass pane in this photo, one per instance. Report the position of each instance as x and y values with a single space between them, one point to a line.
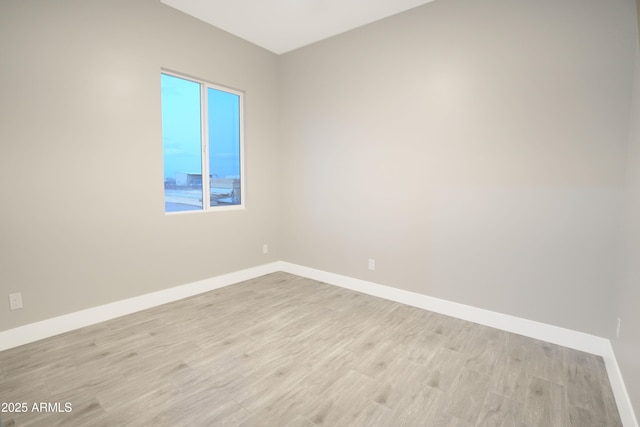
181 144
224 147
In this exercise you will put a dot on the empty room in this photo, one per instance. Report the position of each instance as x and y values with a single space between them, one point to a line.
417 213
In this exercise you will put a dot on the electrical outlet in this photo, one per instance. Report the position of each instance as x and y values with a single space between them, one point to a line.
372 264
15 301
618 328
265 249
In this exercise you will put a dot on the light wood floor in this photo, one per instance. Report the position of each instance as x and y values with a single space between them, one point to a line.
281 350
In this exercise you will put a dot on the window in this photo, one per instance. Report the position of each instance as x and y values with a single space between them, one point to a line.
201 137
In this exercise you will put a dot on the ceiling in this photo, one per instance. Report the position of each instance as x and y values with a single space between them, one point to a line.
284 25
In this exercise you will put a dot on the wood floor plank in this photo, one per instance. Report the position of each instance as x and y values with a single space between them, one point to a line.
378 359
421 407
499 411
300 421
374 414
444 369
282 350
468 395
511 379
545 404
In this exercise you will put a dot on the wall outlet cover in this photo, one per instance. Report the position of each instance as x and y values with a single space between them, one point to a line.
15 301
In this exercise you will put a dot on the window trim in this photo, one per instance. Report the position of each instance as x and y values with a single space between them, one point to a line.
204 143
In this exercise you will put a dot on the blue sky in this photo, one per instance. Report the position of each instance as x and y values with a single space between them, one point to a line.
181 129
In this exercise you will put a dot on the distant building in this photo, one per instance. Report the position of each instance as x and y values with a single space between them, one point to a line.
184 179
222 190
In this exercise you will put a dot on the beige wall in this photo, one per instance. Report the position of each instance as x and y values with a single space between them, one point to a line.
82 218
476 150
627 347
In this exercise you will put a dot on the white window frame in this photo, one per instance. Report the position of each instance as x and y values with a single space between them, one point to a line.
204 144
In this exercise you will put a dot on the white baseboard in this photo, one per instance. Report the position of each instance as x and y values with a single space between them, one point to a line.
623 400
553 334
79 319
529 328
